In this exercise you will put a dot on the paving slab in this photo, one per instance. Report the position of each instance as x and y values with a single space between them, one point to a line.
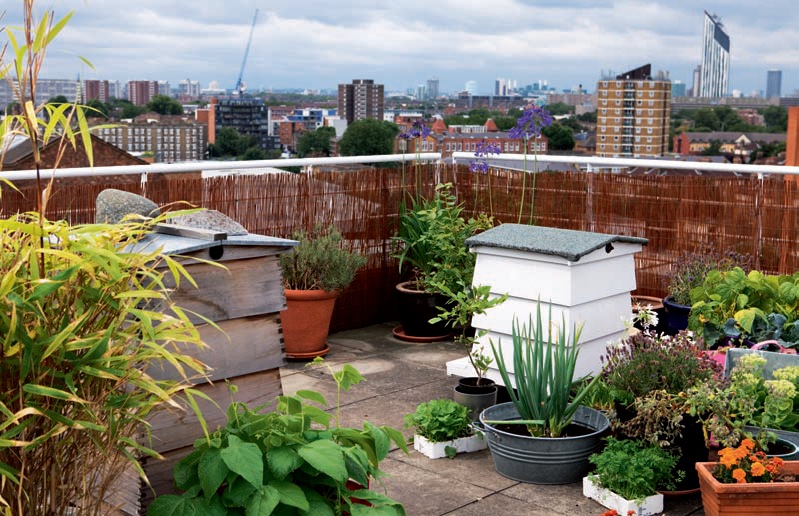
498 503
475 468
424 493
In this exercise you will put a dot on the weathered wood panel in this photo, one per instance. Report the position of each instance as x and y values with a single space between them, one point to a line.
237 347
245 287
175 429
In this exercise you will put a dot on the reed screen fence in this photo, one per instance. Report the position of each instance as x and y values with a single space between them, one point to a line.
675 212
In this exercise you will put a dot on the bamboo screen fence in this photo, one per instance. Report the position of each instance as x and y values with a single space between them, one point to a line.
677 213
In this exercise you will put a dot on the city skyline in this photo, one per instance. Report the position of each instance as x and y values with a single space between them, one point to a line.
317 45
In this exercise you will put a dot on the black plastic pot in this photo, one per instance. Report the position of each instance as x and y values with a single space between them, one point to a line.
416 307
675 317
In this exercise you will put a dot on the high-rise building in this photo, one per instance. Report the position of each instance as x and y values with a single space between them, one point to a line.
140 92
677 89
94 89
248 116
715 58
633 111
361 99
188 89
166 138
471 87
432 88
773 83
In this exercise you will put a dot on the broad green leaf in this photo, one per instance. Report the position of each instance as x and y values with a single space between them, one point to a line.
245 459
212 472
325 456
312 395
347 377
318 506
237 493
171 505
262 502
291 494
282 461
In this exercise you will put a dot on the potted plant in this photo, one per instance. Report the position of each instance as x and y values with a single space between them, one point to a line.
628 476
442 428
688 273
739 308
746 481
750 406
432 253
79 328
290 460
645 373
475 392
313 276
544 435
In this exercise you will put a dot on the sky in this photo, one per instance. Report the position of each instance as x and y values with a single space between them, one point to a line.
317 44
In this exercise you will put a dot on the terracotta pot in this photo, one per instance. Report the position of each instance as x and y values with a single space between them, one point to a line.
306 322
771 498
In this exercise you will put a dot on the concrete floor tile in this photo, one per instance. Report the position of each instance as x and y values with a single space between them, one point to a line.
475 468
425 493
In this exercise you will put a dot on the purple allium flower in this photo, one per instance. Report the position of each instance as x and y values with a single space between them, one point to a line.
481 155
531 122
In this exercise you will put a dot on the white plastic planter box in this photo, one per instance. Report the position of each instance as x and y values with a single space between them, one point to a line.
648 506
433 450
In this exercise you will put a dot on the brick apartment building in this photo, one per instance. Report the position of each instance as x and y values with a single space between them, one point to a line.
361 99
164 138
633 113
96 89
140 92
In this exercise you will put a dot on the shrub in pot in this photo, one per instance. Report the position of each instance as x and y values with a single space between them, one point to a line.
314 273
288 461
687 273
432 254
442 428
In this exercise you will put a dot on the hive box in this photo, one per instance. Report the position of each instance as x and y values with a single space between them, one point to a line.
584 278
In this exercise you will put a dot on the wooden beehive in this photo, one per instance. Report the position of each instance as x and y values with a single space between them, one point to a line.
243 299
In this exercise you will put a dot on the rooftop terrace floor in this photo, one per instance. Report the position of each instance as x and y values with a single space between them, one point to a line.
399 376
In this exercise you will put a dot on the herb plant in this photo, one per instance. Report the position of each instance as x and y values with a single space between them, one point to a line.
440 420
644 362
319 262
635 470
288 461
546 393
691 268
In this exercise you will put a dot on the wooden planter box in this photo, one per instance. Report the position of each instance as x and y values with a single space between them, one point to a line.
773 498
647 507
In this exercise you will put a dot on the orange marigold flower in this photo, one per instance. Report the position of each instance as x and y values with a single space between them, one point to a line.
748 444
728 461
771 468
758 469
739 475
777 461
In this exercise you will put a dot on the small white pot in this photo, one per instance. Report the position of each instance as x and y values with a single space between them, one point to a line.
647 507
433 450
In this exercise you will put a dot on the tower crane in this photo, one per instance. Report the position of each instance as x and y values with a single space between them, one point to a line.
239 89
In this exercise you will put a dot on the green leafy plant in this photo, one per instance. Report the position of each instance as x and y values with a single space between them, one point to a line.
440 420
78 331
748 399
464 303
740 306
634 470
546 393
431 242
644 362
287 461
691 268
319 262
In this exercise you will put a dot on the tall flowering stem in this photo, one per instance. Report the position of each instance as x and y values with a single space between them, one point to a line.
480 164
528 127
418 132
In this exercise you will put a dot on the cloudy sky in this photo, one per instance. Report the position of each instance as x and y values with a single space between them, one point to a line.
319 43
